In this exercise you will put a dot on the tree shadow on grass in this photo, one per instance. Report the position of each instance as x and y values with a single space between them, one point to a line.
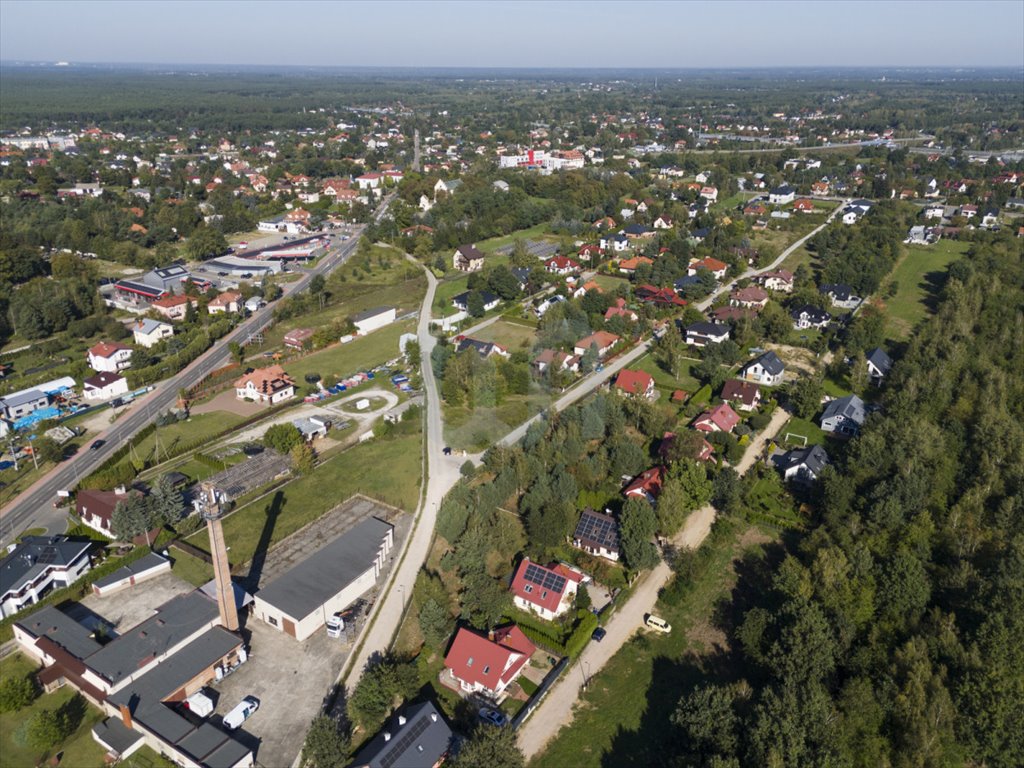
933 282
251 581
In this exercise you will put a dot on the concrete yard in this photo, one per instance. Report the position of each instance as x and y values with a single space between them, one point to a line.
131 606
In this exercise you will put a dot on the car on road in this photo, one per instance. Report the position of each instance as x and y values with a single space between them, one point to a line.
97 444
598 634
494 717
447 451
242 712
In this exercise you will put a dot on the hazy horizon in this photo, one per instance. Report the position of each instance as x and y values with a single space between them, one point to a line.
742 35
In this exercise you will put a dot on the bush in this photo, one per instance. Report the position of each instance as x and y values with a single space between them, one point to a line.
17 693
581 635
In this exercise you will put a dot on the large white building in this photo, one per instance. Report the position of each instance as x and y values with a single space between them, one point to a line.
372 319
109 356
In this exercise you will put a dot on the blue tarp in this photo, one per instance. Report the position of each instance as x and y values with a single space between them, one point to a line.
36 416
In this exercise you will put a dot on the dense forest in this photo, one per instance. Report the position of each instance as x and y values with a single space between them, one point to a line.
893 633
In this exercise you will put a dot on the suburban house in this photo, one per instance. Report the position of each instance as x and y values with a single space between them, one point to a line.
767 369
702 333
844 416
782 195
639 383
714 266
590 252
372 319
483 348
597 533
804 465
417 736
809 316
269 385
229 301
646 485
750 297
448 187
149 332
727 314
780 280
617 242
174 306
298 338
620 310
629 266
709 193
96 508
602 341
467 258
637 232
104 386
662 297
879 365
488 664
560 361
547 591
664 222
841 295
109 356
721 418
803 206
745 395
561 265
298 601
37 565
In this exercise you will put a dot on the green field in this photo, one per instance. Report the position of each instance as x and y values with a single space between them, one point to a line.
80 750
388 469
623 719
803 428
479 428
358 355
448 289
664 381
510 335
610 284
198 428
917 276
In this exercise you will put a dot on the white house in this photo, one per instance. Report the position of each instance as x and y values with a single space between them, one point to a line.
597 533
148 332
109 356
782 195
229 301
104 386
265 385
548 591
767 369
37 565
487 664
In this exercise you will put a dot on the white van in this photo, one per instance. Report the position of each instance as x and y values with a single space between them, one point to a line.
657 624
241 713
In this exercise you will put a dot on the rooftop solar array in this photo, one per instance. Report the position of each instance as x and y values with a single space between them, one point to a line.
599 528
544 578
398 750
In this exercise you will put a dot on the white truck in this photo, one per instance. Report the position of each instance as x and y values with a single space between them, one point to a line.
200 704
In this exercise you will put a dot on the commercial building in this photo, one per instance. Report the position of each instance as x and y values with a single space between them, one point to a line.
26 401
299 601
372 319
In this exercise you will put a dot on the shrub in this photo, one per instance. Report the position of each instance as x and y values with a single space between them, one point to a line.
17 693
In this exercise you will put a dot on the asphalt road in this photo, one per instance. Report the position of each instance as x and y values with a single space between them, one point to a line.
34 507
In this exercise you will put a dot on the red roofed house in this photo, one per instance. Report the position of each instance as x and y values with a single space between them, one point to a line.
646 485
561 265
229 301
714 266
778 280
590 251
483 665
265 385
620 310
547 591
603 340
721 418
629 266
803 206
745 394
109 356
298 338
635 383
664 297
751 297
173 307
96 508
663 222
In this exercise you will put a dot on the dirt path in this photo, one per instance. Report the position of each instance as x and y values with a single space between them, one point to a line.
558 707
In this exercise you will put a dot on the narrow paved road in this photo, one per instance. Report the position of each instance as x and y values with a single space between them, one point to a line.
34 507
557 708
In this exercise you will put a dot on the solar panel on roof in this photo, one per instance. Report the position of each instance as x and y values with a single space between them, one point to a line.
600 529
414 731
544 578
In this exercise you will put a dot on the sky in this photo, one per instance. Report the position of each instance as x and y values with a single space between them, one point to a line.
584 34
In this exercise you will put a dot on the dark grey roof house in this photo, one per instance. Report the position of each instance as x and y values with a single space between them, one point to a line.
879 365
844 416
803 465
419 737
37 565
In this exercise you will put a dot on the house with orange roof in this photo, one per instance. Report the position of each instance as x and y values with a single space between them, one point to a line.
602 340
229 301
635 383
173 307
109 357
265 385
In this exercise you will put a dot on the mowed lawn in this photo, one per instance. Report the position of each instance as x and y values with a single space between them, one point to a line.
80 750
623 719
511 335
388 469
358 355
665 381
917 275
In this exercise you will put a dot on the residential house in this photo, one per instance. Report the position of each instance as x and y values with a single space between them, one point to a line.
629 266
844 416
590 252
808 316
841 295
751 297
782 195
449 187
488 664
229 301
299 338
662 297
467 258
702 333
646 485
36 565
418 737
990 218
148 332
104 386
714 266
638 383
767 369
637 232
721 418
561 265
803 205
548 591
602 341
269 385
174 307
597 533
709 193
780 280
727 314
664 222
617 242
879 365
804 465
96 508
490 300
820 188
483 348
620 310
109 356
745 395
698 236
553 358
754 209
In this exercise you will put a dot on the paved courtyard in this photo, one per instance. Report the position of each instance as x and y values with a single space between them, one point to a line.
124 609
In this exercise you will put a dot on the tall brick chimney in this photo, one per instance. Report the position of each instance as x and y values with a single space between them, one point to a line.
212 513
126 716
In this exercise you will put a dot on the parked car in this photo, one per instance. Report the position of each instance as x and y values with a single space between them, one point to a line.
493 716
657 624
242 712
599 634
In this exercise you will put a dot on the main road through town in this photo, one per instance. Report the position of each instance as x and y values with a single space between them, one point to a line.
34 507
